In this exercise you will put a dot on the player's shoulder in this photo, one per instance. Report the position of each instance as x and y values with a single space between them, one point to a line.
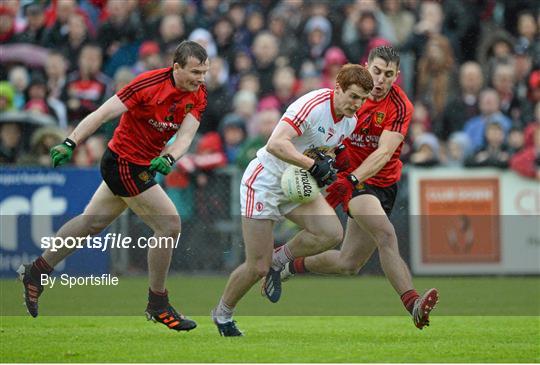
152 76
399 98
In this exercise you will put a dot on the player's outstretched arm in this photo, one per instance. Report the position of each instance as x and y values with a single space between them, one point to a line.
112 108
388 143
61 154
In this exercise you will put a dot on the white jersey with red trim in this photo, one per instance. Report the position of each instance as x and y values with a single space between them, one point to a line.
314 119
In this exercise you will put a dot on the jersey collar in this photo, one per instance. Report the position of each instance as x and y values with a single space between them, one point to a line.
332 110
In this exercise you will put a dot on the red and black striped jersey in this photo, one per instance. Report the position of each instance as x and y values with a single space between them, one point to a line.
156 109
393 113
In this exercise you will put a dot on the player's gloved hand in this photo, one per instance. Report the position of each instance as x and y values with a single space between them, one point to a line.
162 164
61 153
343 158
341 190
322 170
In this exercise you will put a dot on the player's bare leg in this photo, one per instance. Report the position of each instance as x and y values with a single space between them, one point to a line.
369 214
259 242
357 248
322 231
102 209
155 208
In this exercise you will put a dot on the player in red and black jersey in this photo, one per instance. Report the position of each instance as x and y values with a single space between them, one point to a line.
155 106
368 187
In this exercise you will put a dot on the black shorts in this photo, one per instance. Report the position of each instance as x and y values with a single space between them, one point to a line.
123 177
387 195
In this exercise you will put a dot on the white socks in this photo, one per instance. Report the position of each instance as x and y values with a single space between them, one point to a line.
281 256
223 313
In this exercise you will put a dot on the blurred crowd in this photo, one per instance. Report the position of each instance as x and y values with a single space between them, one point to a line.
471 68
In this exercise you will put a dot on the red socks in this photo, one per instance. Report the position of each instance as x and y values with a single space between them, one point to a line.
408 298
40 266
297 266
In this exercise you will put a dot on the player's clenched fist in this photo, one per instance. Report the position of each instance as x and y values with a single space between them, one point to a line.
341 191
162 164
322 170
60 154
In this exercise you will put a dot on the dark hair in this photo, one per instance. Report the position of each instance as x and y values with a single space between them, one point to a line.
352 74
387 53
188 49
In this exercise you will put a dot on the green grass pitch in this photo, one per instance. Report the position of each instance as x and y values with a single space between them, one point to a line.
318 320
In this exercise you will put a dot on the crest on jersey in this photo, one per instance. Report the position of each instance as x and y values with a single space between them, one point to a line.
379 117
188 108
145 176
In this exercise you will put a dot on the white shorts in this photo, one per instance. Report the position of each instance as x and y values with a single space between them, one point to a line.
261 196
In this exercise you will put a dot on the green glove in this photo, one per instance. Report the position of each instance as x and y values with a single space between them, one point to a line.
60 154
162 164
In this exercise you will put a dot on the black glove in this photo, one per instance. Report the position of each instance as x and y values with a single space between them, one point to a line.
322 170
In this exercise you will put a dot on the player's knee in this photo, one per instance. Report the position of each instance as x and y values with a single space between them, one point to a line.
94 224
331 238
169 227
259 268
386 237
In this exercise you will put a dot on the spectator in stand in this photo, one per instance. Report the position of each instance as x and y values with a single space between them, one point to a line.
527 161
242 65
57 19
149 58
366 31
263 124
495 152
496 48
464 105
38 101
216 87
223 32
503 81
310 79
402 20
77 38
56 71
87 87
515 140
334 58
42 140
435 74
283 83
10 142
233 132
528 33
35 31
317 35
7 94
489 112
7 26
19 78
352 25
458 149
171 31
206 39
245 104
289 44
120 28
426 150
265 50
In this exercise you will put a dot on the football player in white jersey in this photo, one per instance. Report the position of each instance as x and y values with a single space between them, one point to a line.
311 128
